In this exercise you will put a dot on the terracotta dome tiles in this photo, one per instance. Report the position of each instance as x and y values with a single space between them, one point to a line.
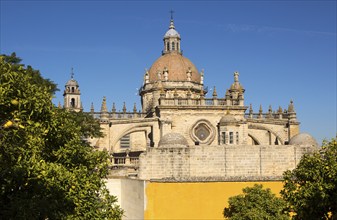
177 66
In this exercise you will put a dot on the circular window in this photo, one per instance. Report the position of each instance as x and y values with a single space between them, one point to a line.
202 132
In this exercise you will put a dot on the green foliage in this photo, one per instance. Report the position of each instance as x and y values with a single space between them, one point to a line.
47 169
256 203
311 188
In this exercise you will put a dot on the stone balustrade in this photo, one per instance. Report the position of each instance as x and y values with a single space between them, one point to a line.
124 166
120 115
125 161
198 102
267 116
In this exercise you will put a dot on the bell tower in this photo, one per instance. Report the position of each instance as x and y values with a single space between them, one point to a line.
72 95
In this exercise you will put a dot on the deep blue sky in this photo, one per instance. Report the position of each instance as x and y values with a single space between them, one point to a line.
283 49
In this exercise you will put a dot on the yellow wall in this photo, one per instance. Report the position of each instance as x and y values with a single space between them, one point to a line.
200 200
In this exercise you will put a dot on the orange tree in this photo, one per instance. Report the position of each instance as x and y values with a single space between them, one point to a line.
311 188
256 203
47 169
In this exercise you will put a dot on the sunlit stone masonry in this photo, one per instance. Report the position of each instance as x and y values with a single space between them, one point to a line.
180 137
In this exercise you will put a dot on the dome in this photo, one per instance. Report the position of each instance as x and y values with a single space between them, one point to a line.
303 139
72 82
173 139
172 33
227 119
177 66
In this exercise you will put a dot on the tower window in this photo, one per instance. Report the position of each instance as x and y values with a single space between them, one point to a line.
72 103
231 141
173 46
177 46
168 46
72 89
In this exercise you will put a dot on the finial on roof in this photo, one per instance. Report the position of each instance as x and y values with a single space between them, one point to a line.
175 93
134 108
92 108
260 112
279 110
189 93
291 106
227 94
113 107
162 91
124 108
250 109
103 107
171 22
270 112
214 92
236 76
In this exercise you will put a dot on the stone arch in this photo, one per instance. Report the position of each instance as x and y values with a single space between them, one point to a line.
254 138
260 127
130 130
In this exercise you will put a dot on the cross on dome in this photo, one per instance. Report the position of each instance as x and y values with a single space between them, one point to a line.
171 14
171 22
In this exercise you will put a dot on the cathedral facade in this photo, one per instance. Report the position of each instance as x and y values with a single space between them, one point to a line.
183 155
173 101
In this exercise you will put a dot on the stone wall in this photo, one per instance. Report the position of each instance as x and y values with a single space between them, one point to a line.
220 163
130 194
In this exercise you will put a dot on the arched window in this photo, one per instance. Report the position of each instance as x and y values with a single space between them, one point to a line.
177 46
173 48
72 89
168 46
72 103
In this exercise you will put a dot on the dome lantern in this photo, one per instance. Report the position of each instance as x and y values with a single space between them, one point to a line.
171 39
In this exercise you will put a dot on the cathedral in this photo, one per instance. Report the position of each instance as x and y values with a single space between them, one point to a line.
173 101
181 137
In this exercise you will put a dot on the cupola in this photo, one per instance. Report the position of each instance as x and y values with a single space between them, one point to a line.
171 71
172 40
